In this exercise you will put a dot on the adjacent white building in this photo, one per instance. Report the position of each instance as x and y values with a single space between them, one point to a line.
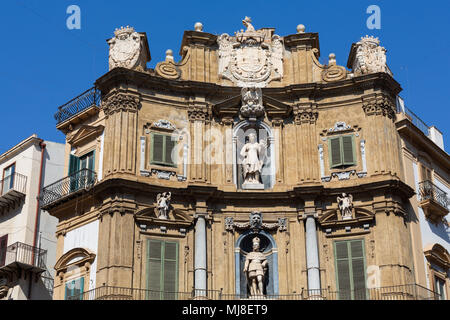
427 171
27 234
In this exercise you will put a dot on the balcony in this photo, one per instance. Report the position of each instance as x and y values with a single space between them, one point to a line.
433 201
20 256
68 187
78 109
13 190
401 292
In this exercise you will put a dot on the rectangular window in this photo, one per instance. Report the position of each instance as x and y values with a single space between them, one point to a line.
74 289
162 150
162 269
342 151
439 287
80 178
8 178
350 269
425 173
3 246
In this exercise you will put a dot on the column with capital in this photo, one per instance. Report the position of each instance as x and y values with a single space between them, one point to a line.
200 267
312 256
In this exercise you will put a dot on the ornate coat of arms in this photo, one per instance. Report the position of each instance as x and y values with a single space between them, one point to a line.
248 59
125 48
370 57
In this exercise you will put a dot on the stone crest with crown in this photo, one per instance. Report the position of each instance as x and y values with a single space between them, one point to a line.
126 49
370 57
250 58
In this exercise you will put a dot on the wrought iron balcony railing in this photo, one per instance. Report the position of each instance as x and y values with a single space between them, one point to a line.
80 180
400 292
428 190
21 255
87 99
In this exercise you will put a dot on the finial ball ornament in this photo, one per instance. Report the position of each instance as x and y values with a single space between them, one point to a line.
198 26
301 28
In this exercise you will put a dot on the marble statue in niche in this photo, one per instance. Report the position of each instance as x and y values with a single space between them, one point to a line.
255 268
253 153
163 204
345 203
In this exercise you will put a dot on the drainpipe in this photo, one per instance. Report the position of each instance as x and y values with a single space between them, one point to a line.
42 145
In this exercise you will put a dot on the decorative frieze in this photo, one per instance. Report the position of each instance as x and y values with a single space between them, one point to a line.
256 224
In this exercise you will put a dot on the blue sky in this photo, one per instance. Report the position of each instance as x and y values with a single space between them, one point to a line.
45 65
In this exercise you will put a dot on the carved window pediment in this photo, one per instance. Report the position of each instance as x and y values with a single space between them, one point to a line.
75 257
84 134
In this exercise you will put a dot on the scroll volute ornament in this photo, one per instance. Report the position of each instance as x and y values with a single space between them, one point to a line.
333 72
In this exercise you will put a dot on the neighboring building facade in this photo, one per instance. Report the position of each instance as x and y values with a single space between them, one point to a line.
427 171
27 233
247 169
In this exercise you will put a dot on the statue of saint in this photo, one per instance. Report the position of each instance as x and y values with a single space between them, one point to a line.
345 203
255 268
253 154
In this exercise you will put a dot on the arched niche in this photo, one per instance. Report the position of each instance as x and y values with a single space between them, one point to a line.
240 138
270 250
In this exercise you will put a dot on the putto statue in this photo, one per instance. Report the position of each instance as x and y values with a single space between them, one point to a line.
255 268
370 57
345 203
253 154
163 201
126 49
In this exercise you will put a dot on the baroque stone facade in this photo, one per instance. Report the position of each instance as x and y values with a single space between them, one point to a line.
323 133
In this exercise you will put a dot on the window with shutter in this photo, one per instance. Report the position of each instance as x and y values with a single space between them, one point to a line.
350 269
342 151
3 246
74 289
439 287
162 269
162 149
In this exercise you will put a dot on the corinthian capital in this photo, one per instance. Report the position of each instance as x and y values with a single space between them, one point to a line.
121 102
198 114
379 105
305 116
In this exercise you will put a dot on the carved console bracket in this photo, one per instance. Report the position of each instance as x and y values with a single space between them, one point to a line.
255 224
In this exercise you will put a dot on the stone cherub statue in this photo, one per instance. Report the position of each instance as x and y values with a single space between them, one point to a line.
255 268
253 154
163 204
345 203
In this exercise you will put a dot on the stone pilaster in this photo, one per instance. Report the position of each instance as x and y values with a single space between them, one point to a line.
308 162
199 119
121 111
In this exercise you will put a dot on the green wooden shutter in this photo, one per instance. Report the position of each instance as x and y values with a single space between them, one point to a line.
343 270
162 269
74 288
3 246
350 269
154 268
348 150
170 145
358 269
74 164
170 270
157 148
334 147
